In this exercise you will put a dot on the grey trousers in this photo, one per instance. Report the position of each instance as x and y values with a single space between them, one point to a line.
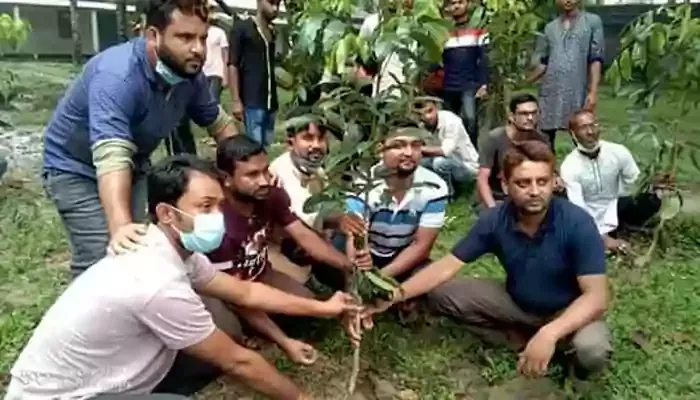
78 203
490 312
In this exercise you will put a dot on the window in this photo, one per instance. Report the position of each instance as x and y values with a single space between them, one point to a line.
64 31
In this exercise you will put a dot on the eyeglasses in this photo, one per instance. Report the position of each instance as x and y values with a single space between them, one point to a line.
587 127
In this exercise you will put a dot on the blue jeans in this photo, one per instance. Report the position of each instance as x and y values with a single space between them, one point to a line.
450 170
78 202
465 105
259 125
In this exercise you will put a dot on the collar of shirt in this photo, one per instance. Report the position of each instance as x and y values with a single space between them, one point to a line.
547 224
142 57
156 241
386 198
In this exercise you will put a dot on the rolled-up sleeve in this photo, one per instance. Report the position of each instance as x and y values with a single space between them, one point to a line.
541 55
596 53
112 105
112 108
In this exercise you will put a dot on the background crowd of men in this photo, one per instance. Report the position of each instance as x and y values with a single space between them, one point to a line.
229 250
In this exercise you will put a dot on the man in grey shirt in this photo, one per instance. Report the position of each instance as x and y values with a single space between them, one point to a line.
569 59
522 125
128 325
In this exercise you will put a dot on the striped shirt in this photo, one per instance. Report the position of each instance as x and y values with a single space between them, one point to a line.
393 225
464 59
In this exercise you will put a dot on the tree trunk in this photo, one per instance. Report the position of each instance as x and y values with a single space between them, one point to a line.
122 22
497 102
75 31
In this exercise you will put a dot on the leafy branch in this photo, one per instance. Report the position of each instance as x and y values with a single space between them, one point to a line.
659 58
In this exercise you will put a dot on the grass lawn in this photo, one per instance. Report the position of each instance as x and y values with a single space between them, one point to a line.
653 315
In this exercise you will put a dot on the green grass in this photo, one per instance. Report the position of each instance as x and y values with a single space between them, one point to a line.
653 316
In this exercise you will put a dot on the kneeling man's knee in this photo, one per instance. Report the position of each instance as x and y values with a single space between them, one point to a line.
593 347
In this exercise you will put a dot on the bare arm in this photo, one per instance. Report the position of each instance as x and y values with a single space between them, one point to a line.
430 277
261 297
483 187
246 365
234 64
536 74
262 323
233 83
432 151
317 247
416 252
588 307
115 196
594 71
540 59
112 108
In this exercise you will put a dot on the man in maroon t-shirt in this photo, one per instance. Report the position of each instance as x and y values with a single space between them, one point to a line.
253 210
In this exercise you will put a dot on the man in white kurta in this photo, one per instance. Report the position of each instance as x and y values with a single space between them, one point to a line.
600 177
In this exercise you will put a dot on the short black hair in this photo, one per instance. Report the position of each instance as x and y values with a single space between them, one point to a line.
168 180
159 12
234 149
519 99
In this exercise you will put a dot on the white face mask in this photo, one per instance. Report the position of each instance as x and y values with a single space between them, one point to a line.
586 150
208 232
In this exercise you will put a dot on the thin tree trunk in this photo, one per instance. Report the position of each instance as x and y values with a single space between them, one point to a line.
122 29
75 31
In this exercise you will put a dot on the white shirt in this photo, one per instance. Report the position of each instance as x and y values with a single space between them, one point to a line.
117 327
596 184
290 180
391 65
455 141
216 44
394 224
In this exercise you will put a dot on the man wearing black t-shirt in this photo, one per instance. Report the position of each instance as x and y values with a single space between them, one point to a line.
252 72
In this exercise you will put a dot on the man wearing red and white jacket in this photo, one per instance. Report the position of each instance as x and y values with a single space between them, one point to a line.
465 66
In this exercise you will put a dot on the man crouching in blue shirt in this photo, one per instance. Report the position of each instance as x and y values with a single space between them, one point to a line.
114 115
556 290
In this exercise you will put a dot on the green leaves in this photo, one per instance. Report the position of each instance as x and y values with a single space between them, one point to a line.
373 285
660 52
332 33
310 28
13 31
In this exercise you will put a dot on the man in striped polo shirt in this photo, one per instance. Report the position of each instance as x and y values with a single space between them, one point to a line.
406 210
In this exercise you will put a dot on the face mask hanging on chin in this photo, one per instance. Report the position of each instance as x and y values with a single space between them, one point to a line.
165 72
587 151
168 75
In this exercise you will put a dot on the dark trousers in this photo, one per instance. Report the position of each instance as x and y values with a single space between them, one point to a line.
466 105
552 135
182 139
636 211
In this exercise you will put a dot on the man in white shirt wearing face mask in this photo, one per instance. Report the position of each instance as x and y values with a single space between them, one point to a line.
133 324
600 178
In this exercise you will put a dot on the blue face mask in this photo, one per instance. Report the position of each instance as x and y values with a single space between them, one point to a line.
168 74
207 234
